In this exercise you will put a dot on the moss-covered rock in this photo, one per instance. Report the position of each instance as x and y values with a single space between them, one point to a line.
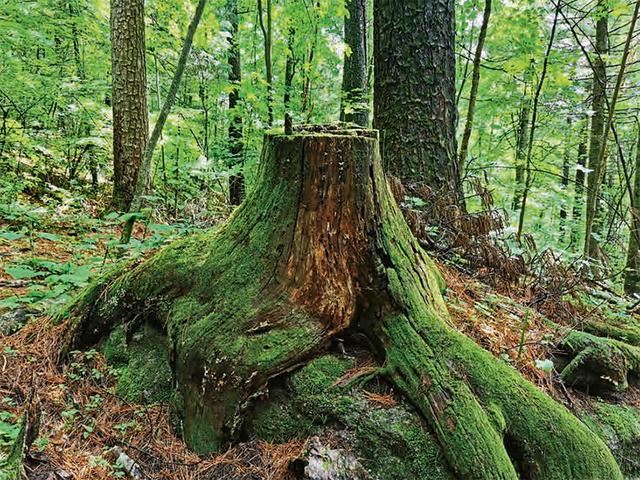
391 442
142 362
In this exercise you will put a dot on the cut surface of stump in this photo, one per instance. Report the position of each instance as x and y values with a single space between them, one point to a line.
320 250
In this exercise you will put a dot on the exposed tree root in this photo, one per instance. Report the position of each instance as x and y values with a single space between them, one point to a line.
318 249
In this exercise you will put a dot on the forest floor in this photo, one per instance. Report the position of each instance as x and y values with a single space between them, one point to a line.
86 430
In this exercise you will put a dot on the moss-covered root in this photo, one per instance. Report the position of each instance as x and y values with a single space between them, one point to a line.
598 364
491 422
288 272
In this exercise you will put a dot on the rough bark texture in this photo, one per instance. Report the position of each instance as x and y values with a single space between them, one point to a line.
597 128
320 249
236 181
129 98
355 94
414 91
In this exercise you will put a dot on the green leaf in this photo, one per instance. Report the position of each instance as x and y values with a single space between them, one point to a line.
11 236
545 365
21 273
49 236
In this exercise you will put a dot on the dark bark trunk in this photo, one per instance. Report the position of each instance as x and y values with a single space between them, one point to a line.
522 145
598 105
632 273
129 98
290 68
267 33
564 180
578 198
236 180
143 181
528 182
355 95
475 82
291 272
414 92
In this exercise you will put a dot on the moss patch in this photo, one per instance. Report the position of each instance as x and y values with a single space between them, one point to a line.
142 363
392 442
619 427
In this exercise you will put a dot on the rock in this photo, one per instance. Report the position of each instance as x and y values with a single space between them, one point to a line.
325 463
14 320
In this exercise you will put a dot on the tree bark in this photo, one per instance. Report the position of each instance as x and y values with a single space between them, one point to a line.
354 107
145 166
236 180
414 92
534 116
564 180
578 197
522 145
290 68
598 105
318 250
475 82
601 163
632 272
129 99
267 33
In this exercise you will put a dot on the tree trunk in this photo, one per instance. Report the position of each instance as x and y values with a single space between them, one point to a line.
597 128
290 68
129 98
475 83
578 197
632 273
414 92
290 272
236 181
145 167
354 107
564 181
267 33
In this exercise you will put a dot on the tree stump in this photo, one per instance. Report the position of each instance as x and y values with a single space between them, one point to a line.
320 249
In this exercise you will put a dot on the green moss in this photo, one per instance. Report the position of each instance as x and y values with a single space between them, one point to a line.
391 443
619 427
490 421
115 348
599 363
142 362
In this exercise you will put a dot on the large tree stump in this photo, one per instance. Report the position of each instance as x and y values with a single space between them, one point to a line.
320 247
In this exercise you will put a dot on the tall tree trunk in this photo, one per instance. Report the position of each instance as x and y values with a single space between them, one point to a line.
564 180
522 145
288 274
598 106
145 167
578 197
475 82
354 107
129 99
290 68
528 182
601 162
236 181
414 92
267 33
632 272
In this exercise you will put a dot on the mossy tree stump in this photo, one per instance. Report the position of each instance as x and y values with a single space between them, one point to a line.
320 247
